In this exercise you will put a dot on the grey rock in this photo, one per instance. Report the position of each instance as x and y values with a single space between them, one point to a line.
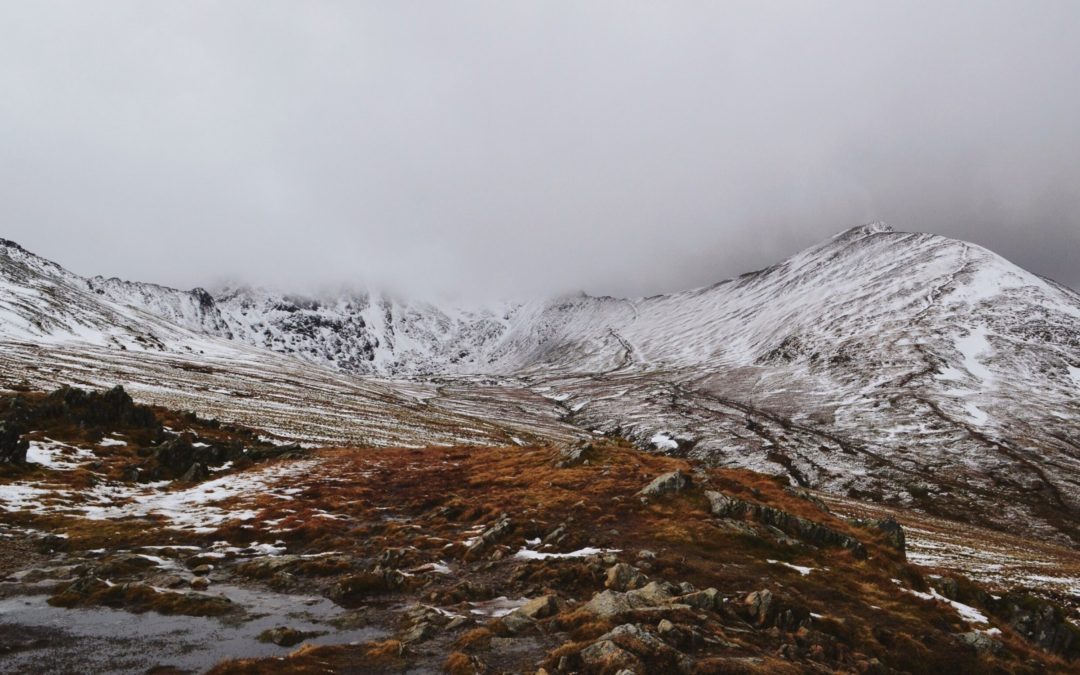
624 577
806 531
606 656
516 623
421 632
538 608
668 483
982 642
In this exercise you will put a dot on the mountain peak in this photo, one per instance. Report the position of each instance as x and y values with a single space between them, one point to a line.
865 230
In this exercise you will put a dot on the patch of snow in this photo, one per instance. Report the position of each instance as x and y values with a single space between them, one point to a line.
976 413
664 442
498 607
526 554
798 568
966 612
110 442
58 456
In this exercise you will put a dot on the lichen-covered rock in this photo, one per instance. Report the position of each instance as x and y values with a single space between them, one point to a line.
706 599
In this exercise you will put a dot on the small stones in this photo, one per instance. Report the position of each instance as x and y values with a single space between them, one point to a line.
200 583
202 570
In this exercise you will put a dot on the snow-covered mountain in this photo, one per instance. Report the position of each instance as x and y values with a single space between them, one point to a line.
906 367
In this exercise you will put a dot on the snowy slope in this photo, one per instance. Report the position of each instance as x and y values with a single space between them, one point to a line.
905 367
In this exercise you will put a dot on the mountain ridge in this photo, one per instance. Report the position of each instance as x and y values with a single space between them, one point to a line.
921 371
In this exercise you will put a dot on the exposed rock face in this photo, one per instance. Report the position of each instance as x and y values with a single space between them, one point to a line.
68 405
1041 622
725 506
575 455
96 409
981 642
669 483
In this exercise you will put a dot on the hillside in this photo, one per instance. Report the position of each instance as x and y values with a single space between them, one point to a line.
910 370
595 559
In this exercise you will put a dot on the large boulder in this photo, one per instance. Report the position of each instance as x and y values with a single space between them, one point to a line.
624 577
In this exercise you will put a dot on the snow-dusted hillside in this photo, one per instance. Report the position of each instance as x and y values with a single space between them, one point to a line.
910 368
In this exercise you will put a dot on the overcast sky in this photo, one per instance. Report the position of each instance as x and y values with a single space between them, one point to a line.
513 147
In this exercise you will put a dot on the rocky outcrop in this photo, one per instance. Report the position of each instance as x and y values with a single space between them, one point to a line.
105 409
763 609
1041 622
893 531
575 455
180 458
807 531
669 483
630 647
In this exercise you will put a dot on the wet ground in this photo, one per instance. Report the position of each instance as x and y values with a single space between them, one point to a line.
40 638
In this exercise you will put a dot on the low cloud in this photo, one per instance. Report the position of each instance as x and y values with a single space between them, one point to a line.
512 148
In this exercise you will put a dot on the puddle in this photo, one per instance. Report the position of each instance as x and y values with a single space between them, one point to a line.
114 641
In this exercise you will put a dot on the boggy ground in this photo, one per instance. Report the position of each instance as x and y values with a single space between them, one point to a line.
596 559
